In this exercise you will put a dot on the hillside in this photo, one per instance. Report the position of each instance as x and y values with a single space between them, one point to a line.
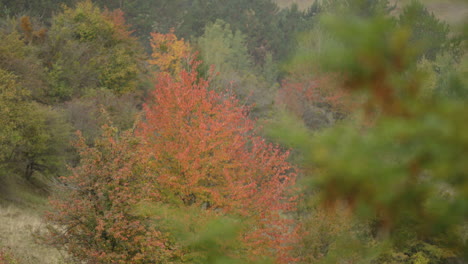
214 132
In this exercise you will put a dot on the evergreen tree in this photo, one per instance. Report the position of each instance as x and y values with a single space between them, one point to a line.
401 167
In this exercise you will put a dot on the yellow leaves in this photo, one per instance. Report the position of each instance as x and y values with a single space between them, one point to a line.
169 53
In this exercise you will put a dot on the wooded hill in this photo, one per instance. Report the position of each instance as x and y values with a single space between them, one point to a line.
209 131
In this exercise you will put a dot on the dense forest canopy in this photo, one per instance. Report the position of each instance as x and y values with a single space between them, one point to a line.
222 131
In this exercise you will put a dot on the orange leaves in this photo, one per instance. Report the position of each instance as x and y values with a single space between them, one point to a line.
194 150
206 154
122 30
169 54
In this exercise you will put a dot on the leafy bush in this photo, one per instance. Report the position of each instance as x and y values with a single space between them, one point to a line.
93 216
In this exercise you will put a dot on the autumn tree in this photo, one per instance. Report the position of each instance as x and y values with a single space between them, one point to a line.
205 153
196 158
169 54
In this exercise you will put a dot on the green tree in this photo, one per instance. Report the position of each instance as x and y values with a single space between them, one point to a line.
18 37
13 115
431 34
291 22
362 8
256 19
151 16
40 8
32 136
226 50
89 49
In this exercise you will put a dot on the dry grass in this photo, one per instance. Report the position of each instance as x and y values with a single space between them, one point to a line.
22 204
17 226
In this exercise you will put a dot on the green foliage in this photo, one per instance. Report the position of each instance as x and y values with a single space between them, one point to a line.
12 47
428 32
49 152
388 185
150 16
207 237
362 8
308 91
268 30
227 52
256 19
290 22
13 114
310 48
224 48
32 136
401 168
19 58
84 50
89 49
443 77
37 8
36 136
417 252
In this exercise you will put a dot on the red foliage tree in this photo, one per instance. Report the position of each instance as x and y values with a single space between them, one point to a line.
193 149
206 154
93 213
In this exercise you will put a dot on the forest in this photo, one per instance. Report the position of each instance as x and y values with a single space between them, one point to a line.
233 131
